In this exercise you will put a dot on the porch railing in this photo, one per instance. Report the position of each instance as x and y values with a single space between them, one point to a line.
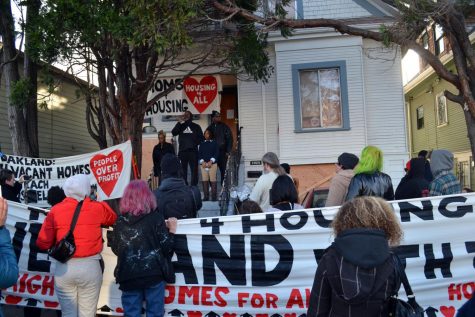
231 177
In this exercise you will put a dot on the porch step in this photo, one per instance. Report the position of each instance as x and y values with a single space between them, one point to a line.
209 209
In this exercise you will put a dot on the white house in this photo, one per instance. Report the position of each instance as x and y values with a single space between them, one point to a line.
330 93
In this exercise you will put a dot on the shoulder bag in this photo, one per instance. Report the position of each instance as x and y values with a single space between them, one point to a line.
66 247
397 306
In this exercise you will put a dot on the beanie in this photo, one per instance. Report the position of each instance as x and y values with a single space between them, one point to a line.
170 165
348 161
77 186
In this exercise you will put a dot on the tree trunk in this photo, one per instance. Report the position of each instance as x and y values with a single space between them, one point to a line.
16 121
30 71
135 135
470 121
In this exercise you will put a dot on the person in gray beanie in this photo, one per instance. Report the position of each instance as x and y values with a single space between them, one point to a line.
444 182
340 182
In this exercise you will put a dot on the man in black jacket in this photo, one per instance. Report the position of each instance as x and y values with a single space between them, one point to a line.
190 136
10 187
224 137
174 197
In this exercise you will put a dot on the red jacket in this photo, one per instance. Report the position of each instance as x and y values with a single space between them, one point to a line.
87 233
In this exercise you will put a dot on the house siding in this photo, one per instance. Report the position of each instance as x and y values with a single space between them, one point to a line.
385 106
319 147
251 98
335 9
452 136
62 127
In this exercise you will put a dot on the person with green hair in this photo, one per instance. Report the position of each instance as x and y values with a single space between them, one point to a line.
368 179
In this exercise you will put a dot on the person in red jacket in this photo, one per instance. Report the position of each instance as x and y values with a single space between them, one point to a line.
78 281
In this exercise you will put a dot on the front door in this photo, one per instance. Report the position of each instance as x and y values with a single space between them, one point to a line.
229 110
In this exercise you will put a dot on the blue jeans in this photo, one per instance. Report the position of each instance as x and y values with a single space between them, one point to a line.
154 301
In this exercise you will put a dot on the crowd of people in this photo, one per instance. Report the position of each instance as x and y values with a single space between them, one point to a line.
144 226
207 152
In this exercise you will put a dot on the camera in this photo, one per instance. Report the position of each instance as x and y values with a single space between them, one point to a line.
27 178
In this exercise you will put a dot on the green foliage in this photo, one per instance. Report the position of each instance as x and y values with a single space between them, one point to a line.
20 92
383 29
250 55
67 27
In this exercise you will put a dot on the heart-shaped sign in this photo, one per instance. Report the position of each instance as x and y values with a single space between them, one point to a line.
194 314
201 94
448 311
107 169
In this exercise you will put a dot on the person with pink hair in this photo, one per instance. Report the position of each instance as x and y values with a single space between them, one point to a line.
142 241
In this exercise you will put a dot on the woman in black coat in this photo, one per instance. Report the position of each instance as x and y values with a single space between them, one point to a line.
414 184
356 274
369 180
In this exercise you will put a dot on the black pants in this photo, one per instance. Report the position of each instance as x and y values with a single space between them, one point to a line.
189 158
222 160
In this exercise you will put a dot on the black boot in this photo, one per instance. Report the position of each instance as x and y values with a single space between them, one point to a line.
214 191
205 191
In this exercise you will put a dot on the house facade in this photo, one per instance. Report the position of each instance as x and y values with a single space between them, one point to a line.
330 93
433 121
62 127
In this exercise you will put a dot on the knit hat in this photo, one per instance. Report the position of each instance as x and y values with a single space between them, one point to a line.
170 165
215 113
441 160
348 161
77 186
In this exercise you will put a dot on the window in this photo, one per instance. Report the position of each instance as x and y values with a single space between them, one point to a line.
420 117
438 39
425 40
320 96
441 103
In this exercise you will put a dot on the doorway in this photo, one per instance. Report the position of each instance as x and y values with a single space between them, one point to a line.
229 111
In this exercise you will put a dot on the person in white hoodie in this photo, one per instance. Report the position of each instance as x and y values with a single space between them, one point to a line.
272 169
341 181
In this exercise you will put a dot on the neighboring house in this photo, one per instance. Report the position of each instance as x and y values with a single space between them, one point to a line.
433 121
61 126
330 93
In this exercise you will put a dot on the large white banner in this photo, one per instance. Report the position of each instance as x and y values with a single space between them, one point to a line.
263 265
109 171
198 94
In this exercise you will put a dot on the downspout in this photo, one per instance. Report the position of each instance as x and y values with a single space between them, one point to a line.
409 126
364 95
264 115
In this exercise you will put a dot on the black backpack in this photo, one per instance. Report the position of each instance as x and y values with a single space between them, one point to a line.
179 203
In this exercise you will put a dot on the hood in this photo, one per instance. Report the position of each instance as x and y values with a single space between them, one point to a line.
131 219
417 168
360 266
441 160
353 245
346 174
172 183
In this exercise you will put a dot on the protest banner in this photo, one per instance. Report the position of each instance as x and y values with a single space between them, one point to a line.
263 265
198 94
109 171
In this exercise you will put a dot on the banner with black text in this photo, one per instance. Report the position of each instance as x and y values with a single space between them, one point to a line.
263 265
109 171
